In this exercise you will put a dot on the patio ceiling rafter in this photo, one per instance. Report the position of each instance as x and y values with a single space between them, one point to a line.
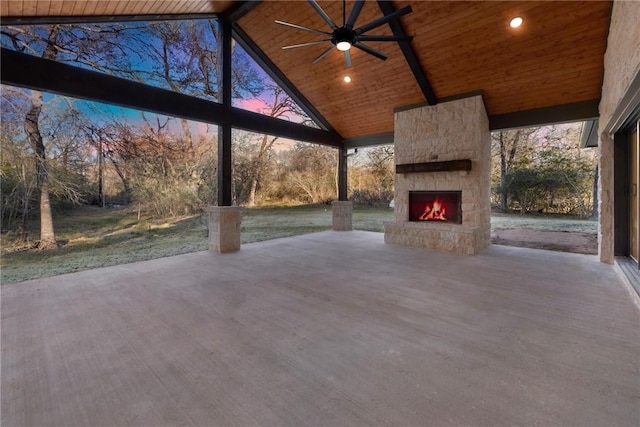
409 54
32 72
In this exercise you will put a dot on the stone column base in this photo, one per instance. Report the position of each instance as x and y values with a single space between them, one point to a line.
342 215
224 228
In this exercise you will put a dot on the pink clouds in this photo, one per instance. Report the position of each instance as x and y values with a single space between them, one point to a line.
256 105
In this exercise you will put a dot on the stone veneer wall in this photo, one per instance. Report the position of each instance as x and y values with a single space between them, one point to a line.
621 65
448 131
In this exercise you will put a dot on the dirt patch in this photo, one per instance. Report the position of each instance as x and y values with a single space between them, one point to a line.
564 241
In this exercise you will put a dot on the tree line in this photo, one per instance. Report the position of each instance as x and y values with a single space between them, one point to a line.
544 170
145 161
54 152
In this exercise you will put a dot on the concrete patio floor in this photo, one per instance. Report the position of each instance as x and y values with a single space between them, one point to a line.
326 329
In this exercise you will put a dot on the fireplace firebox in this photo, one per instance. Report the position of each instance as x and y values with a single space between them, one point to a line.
435 206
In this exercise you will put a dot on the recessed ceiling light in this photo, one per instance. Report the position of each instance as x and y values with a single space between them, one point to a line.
347 79
516 22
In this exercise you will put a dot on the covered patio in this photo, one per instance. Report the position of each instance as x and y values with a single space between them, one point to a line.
331 329
339 328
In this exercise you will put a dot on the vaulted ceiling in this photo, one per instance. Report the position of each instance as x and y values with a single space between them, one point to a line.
553 61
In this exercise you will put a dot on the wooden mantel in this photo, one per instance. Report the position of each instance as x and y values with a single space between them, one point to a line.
446 166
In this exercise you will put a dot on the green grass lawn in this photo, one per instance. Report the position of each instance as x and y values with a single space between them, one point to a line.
92 237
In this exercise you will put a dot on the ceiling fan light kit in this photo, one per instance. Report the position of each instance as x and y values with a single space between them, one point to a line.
344 37
343 45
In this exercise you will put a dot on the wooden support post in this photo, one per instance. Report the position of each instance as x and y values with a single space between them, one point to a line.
224 130
342 174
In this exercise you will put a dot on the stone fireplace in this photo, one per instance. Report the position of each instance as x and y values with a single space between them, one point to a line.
443 153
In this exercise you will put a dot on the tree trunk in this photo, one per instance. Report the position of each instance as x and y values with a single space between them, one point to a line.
594 211
503 175
25 204
32 129
252 190
125 182
187 135
100 175
257 167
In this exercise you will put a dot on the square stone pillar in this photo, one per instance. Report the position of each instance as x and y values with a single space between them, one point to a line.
342 215
224 228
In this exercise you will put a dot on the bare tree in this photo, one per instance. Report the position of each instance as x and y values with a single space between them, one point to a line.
312 169
283 107
76 44
18 169
32 129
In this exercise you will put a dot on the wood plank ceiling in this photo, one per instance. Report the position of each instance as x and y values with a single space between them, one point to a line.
554 59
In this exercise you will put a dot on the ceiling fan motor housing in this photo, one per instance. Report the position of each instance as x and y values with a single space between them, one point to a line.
343 35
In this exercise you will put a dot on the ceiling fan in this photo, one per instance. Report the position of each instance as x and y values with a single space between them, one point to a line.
345 37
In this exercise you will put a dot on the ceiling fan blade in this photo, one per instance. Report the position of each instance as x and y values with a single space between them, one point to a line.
298 27
347 58
293 46
370 51
322 55
344 12
323 14
355 12
385 38
387 18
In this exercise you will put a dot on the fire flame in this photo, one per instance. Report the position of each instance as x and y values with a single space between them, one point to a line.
434 213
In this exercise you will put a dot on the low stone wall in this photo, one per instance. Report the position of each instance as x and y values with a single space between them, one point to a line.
453 130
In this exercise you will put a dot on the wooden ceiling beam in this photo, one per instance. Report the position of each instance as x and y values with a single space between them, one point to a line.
99 19
22 70
409 54
577 111
240 8
369 140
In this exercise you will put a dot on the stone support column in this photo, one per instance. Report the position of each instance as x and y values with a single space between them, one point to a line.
224 228
342 215
605 198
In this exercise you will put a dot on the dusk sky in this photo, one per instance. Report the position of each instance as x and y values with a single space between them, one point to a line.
102 112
